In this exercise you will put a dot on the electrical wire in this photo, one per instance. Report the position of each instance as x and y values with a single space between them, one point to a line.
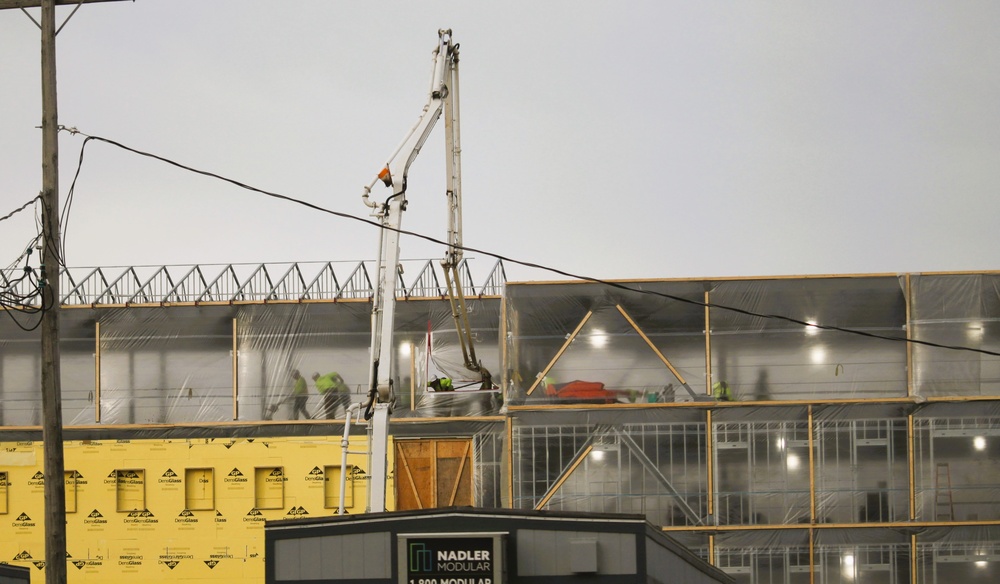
17 293
502 258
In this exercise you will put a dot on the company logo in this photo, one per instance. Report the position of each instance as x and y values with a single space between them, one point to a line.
452 557
22 556
297 511
186 516
75 478
95 518
145 516
171 564
170 477
275 476
316 474
218 517
421 559
211 563
40 565
253 515
37 479
80 564
358 474
23 521
235 476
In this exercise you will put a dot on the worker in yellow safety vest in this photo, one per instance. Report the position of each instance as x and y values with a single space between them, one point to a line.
721 391
333 391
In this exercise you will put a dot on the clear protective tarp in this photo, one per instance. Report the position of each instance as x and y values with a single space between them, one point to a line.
957 477
224 363
21 370
765 556
862 556
861 464
637 347
162 366
956 310
645 342
774 359
635 461
964 554
761 465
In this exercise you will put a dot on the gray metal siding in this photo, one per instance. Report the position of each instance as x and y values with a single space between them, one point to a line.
547 553
333 557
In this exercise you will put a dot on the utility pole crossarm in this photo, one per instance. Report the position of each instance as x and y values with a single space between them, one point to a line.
37 3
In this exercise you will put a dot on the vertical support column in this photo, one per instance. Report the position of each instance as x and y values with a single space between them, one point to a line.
97 372
910 461
913 559
812 555
413 378
709 457
236 374
504 366
812 476
911 466
909 345
710 463
708 347
509 460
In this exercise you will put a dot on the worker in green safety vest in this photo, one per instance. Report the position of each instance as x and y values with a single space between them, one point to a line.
441 384
333 391
721 391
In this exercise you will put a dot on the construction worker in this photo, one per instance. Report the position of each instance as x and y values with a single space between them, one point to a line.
441 384
721 391
333 391
300 395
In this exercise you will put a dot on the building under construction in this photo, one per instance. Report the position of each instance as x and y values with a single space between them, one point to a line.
785 429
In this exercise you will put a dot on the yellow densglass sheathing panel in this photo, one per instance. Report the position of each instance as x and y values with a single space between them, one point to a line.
220 541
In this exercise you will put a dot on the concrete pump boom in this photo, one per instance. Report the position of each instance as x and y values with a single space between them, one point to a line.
443 97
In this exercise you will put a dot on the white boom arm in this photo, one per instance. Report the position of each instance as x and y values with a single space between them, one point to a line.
389 213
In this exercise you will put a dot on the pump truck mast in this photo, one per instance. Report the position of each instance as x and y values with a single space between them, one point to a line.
443 97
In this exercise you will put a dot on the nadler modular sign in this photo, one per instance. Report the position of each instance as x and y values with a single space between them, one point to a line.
451 559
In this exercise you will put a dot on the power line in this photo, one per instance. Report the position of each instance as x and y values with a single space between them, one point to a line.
19 209
616 285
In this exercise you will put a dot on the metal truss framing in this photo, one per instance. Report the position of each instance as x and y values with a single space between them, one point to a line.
250 283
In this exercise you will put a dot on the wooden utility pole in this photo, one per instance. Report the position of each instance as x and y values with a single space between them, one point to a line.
52 437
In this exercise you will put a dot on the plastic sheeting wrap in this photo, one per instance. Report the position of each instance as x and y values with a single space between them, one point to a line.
594 333
21 366
957 477
773 359
762 466
962 310
765 555
958 554
861 463
636 461
601 333
166 366
220 363
862 555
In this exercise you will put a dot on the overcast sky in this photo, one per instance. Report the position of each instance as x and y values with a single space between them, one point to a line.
607 139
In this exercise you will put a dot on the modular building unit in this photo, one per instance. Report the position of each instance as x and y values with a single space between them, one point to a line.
473 546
